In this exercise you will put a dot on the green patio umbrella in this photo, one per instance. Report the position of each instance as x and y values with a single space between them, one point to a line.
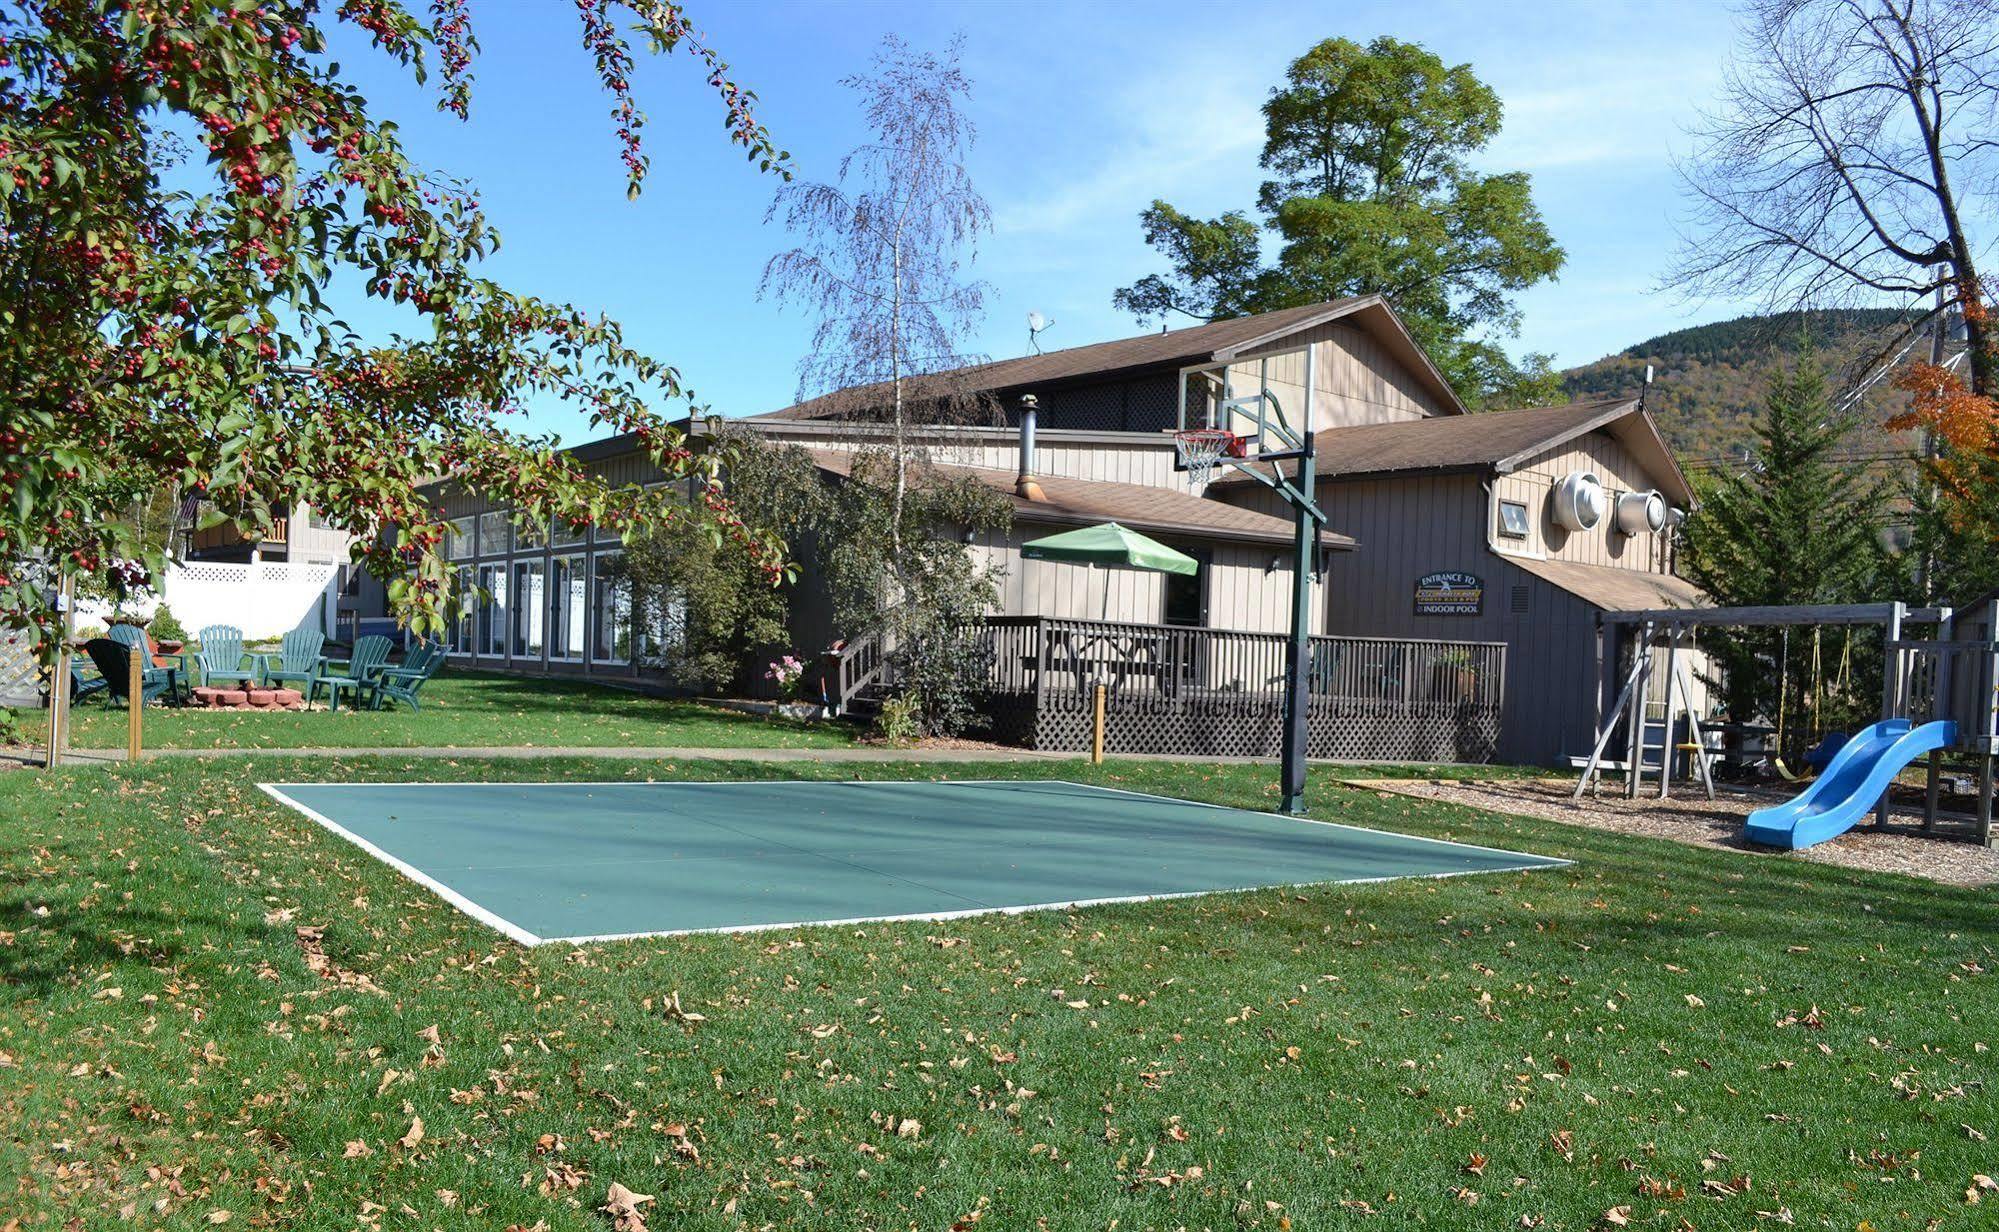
1110 545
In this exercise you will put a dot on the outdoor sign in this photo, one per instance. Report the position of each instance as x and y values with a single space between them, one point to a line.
1450 594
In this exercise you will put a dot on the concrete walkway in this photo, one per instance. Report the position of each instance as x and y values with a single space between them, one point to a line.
30 756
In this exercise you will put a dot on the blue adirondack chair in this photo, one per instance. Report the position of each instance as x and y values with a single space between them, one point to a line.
114 663
356 673
221 654
400 684
297 660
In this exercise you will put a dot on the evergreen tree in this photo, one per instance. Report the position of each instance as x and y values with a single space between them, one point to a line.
1799 527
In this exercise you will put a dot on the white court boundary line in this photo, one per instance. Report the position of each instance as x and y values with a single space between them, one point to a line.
490 919
521 935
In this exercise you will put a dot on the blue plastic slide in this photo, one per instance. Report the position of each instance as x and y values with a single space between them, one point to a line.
1850 785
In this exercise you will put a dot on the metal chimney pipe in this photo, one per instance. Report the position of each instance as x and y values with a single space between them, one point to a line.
1025 486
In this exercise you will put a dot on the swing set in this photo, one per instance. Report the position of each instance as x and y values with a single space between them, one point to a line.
1814 706
1945 676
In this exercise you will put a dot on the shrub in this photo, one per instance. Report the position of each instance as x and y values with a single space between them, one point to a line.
900 719
165 627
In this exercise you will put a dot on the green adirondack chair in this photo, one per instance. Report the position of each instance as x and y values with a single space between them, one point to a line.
356 674
113 660
135 636
297 660
221 654
400 684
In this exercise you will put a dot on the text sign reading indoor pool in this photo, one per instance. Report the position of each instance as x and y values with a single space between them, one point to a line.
1450 594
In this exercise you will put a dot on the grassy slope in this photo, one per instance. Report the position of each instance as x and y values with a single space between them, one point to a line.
1315 1054
464 708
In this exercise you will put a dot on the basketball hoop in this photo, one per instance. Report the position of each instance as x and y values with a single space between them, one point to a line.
1201 449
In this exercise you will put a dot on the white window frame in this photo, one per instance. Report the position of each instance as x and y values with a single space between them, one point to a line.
1526 520
598 613
577 565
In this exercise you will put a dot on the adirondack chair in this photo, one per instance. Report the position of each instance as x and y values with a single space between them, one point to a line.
298 659
82 686
114 663
356 674
400 684
221 654
135 636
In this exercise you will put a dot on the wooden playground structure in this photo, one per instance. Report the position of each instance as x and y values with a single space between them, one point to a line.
1950 676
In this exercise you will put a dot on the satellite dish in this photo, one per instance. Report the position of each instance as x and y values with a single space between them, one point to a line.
1035 324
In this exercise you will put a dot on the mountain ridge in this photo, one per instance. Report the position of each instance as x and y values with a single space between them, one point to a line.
1709 380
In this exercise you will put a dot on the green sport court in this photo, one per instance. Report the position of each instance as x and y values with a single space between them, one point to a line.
571 862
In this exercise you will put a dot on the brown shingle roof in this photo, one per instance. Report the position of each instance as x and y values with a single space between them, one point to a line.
1214 341
1086 502
1496 439
1616 590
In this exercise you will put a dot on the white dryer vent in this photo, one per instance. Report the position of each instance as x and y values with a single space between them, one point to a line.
1579 501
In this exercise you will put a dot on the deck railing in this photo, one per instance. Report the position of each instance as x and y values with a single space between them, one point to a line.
1221 692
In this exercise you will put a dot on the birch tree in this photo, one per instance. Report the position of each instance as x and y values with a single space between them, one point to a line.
883 257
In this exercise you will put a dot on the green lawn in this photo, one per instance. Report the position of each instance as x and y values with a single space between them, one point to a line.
463 709
1688 1038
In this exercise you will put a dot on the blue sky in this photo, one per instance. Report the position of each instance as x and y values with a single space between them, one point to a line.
1086 112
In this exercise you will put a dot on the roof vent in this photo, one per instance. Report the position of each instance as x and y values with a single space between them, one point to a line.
1579 501
1025 486
1640 513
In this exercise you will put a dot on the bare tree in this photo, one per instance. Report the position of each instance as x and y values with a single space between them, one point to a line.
1853 151
884 253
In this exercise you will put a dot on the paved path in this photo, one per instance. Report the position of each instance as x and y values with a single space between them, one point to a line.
856 753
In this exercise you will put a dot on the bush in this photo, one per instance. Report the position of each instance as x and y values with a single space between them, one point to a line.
900 719
165 627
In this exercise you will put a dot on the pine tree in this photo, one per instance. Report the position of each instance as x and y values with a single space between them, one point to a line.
1799 527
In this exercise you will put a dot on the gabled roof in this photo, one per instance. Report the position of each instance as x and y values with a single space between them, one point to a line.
1085 502
1214 342
1498 441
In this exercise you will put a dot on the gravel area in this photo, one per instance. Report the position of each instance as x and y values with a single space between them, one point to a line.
1949 855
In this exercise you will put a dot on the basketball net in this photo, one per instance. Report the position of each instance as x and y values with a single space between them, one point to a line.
1202 449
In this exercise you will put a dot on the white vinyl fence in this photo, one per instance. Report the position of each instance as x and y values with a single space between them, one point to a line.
264 599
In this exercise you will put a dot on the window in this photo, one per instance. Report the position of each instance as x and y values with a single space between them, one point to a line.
530 538
568 536
463 629
530 609
1512 519
493 611
568 589
613 642
458 538
493 533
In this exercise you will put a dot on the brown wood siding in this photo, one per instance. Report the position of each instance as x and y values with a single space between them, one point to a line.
1360 382
1410 525
1149 464
1243 591
1534 483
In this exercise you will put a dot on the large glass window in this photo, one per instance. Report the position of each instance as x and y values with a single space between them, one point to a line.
613 640
493 611
569 584
530 609
493 533
530 538
458 538
567 536
464 629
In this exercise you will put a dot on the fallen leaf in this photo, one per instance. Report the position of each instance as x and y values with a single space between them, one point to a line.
622 1205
